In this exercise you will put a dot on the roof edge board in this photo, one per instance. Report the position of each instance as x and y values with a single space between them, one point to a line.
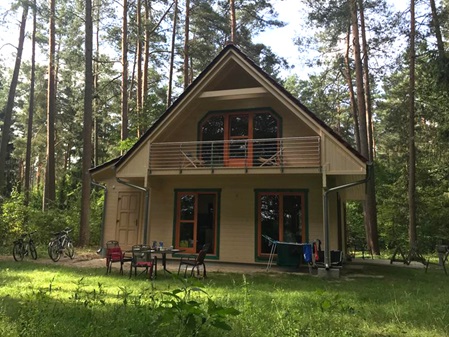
231 94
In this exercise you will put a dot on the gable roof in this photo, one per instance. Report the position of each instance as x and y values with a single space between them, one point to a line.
228 49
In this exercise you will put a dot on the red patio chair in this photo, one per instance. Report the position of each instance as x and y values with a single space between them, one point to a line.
115 254
141 258
194 261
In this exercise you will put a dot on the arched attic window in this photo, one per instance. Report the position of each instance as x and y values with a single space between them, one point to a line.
238 138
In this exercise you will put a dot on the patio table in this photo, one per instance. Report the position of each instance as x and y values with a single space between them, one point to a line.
163 252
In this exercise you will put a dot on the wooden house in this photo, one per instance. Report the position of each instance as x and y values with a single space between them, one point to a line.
234 158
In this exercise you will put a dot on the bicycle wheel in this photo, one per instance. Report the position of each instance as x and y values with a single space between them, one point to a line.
54 252
70 250
49 247
17 251
33 251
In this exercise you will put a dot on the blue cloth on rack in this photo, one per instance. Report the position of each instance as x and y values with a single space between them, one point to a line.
307 251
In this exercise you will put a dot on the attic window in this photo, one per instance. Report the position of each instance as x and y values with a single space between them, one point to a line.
229 136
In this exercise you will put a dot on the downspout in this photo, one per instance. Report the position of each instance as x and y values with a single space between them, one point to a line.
103 214
327 260
146 210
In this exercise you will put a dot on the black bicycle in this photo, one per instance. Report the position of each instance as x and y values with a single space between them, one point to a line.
60 244
24 247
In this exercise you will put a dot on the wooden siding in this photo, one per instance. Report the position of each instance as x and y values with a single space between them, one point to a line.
339 160
136 165
237 223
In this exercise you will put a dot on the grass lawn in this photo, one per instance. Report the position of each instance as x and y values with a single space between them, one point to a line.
56 300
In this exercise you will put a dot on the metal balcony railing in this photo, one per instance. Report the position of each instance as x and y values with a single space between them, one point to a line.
295 152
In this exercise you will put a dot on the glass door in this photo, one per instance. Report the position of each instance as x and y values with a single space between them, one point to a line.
196 221
281 217
239 149
186 237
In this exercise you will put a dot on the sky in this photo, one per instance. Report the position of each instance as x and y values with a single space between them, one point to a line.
281 40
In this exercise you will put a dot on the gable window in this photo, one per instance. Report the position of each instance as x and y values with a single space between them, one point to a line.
196 220
230 138
281 216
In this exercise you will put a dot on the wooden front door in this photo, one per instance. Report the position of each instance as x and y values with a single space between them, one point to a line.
128 218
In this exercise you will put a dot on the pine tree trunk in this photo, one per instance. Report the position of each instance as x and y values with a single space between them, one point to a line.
351 90
371 212
436 26
412 151
124 128
30 110
84 235
186 45
361 108
7 121
95 108
50 175
139 66
172 55
233 21
146 55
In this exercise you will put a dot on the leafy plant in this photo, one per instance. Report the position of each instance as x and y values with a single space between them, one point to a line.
193 310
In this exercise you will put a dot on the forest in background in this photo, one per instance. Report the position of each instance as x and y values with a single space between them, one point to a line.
106 70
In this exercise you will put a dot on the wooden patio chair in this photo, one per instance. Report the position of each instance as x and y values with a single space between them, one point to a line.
273 160
189 160
194 261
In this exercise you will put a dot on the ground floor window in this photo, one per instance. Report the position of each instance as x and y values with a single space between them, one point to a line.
281 216
196 220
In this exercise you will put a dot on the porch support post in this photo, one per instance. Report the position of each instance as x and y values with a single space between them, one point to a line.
325 219
327 261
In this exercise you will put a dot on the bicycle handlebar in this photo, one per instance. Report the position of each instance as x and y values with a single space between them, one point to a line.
65 231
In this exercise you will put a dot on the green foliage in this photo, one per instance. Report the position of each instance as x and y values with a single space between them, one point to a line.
53 300
16 218
87 306
187 309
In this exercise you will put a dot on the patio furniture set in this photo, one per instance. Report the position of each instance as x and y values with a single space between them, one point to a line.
145 258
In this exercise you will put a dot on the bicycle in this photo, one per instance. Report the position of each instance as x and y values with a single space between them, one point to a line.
61 243
23 247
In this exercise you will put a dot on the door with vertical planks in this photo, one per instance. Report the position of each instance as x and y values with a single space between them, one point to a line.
128 218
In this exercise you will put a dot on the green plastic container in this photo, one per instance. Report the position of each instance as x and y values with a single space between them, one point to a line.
288 255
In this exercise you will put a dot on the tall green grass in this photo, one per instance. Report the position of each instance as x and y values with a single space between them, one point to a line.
54 300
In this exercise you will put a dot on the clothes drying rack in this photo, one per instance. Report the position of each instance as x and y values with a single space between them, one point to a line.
274 243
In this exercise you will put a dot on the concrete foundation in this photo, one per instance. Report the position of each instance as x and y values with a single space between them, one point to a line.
331 273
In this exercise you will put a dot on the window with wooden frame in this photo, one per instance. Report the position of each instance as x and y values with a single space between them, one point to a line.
281 215
196 220
230 138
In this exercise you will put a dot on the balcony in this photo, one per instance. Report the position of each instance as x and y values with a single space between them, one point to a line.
249 155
